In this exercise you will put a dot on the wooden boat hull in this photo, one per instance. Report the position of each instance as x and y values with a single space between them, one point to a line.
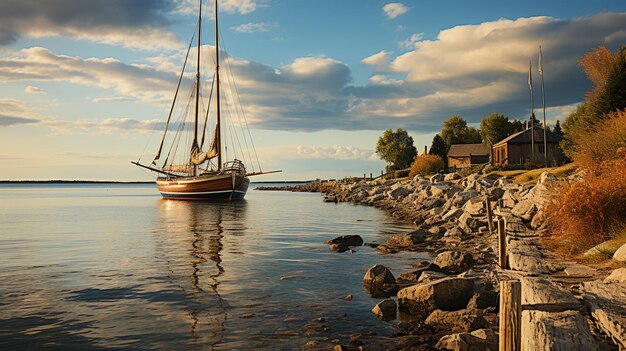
222 187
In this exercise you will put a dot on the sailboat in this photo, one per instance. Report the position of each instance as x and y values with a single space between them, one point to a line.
198 176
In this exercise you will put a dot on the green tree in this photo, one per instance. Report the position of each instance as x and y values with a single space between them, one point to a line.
557 128
607 72
495 127
456 131
438 147
397 149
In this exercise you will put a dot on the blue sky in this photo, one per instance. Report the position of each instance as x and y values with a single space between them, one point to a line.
84 86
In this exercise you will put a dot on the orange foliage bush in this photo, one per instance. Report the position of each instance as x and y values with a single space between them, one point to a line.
426 164
583 213
602 142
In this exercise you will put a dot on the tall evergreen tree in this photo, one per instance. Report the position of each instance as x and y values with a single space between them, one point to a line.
557 128
438 147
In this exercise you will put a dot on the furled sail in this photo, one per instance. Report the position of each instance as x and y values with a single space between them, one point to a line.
198 157
177 168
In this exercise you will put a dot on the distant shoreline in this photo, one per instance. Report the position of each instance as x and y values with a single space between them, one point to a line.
123 182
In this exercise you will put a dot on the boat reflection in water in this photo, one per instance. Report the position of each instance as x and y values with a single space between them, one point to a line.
193 234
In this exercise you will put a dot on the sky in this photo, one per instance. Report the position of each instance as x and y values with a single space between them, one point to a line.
85 86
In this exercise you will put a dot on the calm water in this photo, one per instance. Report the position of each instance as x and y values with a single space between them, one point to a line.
116 267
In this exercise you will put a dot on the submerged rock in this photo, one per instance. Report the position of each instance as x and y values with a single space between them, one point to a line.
346 240
379 281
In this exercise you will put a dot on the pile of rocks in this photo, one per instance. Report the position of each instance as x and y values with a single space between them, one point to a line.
454 299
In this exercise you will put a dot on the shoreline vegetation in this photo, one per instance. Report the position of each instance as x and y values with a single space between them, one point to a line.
451 303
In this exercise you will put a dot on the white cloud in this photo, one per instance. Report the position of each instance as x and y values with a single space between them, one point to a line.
339 152
105 126
242 7
394 9
252 27
380 60
409 43
39 64
34 90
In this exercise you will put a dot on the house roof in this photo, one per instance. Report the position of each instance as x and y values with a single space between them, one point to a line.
525 137
464 150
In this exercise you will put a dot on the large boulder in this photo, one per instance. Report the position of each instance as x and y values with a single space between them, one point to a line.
620 254
448 294
407 240
481 339
454 261
470 224
385 310
617 276
510 197
525 209
474 206
379 280
398 193
457 321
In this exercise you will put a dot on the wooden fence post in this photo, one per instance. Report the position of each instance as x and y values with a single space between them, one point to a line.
510 315
502 259
489 215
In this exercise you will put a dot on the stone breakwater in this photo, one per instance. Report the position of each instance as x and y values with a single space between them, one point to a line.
451 303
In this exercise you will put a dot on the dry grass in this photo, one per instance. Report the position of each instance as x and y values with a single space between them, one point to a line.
523 176
591 211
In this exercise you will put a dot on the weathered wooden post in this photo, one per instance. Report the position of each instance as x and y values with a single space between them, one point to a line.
510 315
502 261
489 215
364 177
371 176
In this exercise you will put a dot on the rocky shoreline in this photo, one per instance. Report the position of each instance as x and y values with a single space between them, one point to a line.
452 303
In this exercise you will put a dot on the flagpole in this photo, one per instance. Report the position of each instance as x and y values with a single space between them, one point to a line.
543 103
532 111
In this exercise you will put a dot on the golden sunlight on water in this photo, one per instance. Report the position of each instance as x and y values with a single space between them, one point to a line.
116 266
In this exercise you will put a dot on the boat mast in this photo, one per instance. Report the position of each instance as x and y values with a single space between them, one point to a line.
195 122
218 132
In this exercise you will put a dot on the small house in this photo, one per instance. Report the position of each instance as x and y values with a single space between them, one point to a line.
516 149
466 155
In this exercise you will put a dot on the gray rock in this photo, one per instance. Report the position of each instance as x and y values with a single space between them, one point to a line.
481 339
607 305
604 249
457 321
620 254
541 294
378 276
429 276
556 331
385 310
447 294
524 209
470 224
454 261
452 214
474 206
451 176
407 240
398 193
617 276
580 271
437 178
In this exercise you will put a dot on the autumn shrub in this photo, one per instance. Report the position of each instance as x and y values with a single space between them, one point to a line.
426 164
583 213
601 142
